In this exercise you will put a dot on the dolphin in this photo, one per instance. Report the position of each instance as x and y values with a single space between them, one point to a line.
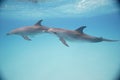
29 30
76 35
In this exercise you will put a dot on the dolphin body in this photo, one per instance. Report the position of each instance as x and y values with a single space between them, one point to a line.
29 30
76 35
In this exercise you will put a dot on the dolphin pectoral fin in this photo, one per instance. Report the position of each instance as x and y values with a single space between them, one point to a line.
63 41
26 38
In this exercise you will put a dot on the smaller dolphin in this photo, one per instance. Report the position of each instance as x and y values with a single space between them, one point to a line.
77 35
29 30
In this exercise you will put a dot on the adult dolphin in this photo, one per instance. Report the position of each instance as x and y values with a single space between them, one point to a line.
29 30
77 35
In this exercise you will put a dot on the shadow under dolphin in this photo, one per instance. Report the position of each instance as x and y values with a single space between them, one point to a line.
76 35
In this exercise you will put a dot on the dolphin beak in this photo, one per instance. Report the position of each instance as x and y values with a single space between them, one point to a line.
8 34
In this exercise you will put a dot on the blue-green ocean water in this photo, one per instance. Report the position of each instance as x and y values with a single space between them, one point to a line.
45 57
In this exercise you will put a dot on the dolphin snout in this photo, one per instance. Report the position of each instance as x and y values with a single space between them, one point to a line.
8 34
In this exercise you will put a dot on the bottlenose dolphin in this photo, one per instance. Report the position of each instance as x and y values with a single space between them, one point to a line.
77 35
29 30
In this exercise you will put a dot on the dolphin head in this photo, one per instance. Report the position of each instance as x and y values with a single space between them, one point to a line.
10 33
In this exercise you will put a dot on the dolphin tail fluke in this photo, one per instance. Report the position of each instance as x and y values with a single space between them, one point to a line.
109 40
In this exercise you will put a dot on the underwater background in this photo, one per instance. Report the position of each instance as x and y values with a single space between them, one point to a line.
45 57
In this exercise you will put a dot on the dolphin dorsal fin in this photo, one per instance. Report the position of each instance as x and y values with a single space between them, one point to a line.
80 29
39 23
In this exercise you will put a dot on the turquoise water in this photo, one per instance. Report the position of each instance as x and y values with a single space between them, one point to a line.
45 57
